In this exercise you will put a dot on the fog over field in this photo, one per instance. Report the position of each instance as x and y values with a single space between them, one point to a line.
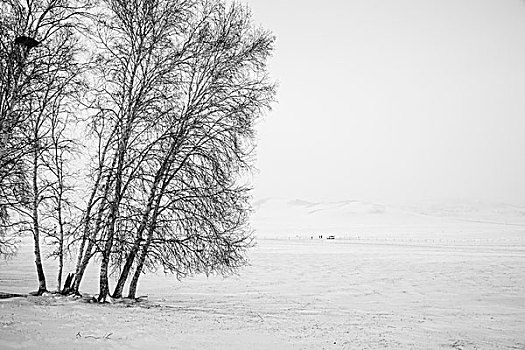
355 219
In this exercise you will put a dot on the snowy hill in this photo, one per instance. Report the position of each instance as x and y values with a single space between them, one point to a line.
350 219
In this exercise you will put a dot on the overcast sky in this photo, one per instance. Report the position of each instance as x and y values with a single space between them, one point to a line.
395 100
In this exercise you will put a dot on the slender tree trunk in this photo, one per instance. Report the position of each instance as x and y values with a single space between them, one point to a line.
140 265
60 220
143 254
104 266
84 256
38 262
60 269
61 245
136 244
80 256
117 293
103 281
82 261
106 254
36 227
81 268
142 258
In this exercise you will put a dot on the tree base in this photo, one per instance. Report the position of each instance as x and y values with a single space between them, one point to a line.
38 293
68 285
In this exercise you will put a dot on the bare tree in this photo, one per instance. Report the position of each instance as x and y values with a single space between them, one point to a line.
130 36
42 76
59 208
182 83
14 184
176 88
195 217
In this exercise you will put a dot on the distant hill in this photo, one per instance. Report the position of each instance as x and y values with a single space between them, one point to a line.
281 217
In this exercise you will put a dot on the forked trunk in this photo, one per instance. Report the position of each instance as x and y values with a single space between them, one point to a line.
117 293
136 245
89 236
138 271
84 256
81 267
79 273
140 265
112 219
106 254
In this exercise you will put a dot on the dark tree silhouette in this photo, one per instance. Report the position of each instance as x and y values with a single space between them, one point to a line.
183 83
175 87
37 55
199 221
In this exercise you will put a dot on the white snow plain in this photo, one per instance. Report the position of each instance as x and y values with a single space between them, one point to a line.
417 285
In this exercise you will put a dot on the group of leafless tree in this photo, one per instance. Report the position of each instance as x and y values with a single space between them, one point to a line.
127 132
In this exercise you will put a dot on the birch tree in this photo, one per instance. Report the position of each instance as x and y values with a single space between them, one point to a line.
129 38
38 56
181 86
199 223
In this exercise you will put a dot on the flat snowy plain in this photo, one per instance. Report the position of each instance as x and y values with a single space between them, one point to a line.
460 289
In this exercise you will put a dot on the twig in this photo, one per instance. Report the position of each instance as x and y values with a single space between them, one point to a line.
105 336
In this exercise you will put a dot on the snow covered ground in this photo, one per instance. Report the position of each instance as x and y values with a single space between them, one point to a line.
397 282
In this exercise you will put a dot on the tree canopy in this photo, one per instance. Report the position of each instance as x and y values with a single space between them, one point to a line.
168 94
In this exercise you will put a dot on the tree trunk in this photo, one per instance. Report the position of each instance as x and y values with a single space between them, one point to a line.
39 268
80 269
67 285
138 271
83 261
117 293
36 228
61 241
106 254
114 212
60 266
81 266
84 256
59 164
142 259
103 281
136 245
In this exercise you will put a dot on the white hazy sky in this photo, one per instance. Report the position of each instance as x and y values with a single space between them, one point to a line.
395 100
